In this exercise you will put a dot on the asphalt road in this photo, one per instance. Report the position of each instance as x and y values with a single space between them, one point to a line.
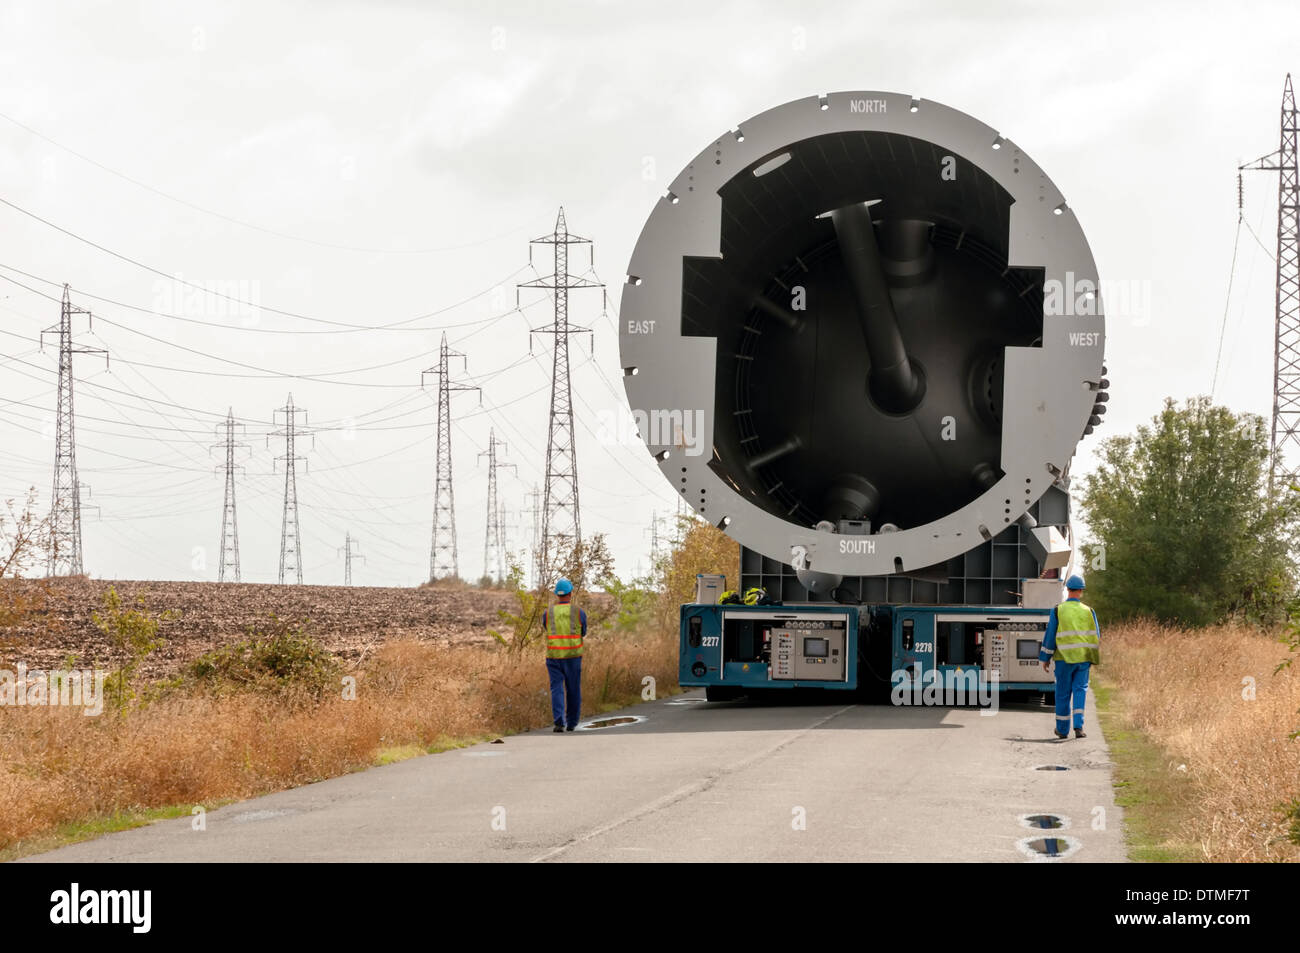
691 781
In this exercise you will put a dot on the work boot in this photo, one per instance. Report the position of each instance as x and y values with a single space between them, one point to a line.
1061 736
1078 733
558 729
570 728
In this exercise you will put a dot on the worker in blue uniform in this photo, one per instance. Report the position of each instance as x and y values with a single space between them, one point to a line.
1073 642
565 625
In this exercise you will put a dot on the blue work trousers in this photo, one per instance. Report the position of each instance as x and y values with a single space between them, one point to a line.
566 690
1071 689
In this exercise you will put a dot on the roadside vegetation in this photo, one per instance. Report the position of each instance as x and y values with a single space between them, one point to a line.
1191 566
1200 726
1192 570
278 709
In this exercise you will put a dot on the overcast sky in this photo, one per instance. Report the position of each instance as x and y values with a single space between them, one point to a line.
372 163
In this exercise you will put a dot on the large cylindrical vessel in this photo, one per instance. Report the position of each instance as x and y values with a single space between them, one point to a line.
863 333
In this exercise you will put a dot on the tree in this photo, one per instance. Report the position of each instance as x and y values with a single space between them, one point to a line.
521 626
587 565
1190 532
23 537
634 602
584 564
704 549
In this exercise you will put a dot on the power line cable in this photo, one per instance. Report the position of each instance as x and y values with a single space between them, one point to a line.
403 325
214 293
250 225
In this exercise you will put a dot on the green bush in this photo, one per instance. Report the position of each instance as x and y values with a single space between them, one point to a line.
520 628
278 657
1291 818
133 633
634 602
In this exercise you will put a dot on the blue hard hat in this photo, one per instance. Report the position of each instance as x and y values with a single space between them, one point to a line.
563 587
1074 582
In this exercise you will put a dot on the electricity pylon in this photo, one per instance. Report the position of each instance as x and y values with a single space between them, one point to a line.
290 534
229 524
443 559
65 555
1286 326
561 519
493 541
534 511
349 551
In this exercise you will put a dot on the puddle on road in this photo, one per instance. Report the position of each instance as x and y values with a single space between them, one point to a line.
685 701
1047 848
1051 767
611 722
1044 821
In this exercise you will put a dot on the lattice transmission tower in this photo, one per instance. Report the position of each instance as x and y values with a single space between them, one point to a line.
350 550
561 517
534 511
290 534
505 525
1286 346
443 560
494 547
229 567
65 554
656 540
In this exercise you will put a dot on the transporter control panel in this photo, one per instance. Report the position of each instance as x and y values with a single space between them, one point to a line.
809 649
1013 650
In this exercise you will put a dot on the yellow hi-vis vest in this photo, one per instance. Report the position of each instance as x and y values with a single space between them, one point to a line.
563 631
1077 638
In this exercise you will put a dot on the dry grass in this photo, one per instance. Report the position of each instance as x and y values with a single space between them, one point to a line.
59 767
1183 689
